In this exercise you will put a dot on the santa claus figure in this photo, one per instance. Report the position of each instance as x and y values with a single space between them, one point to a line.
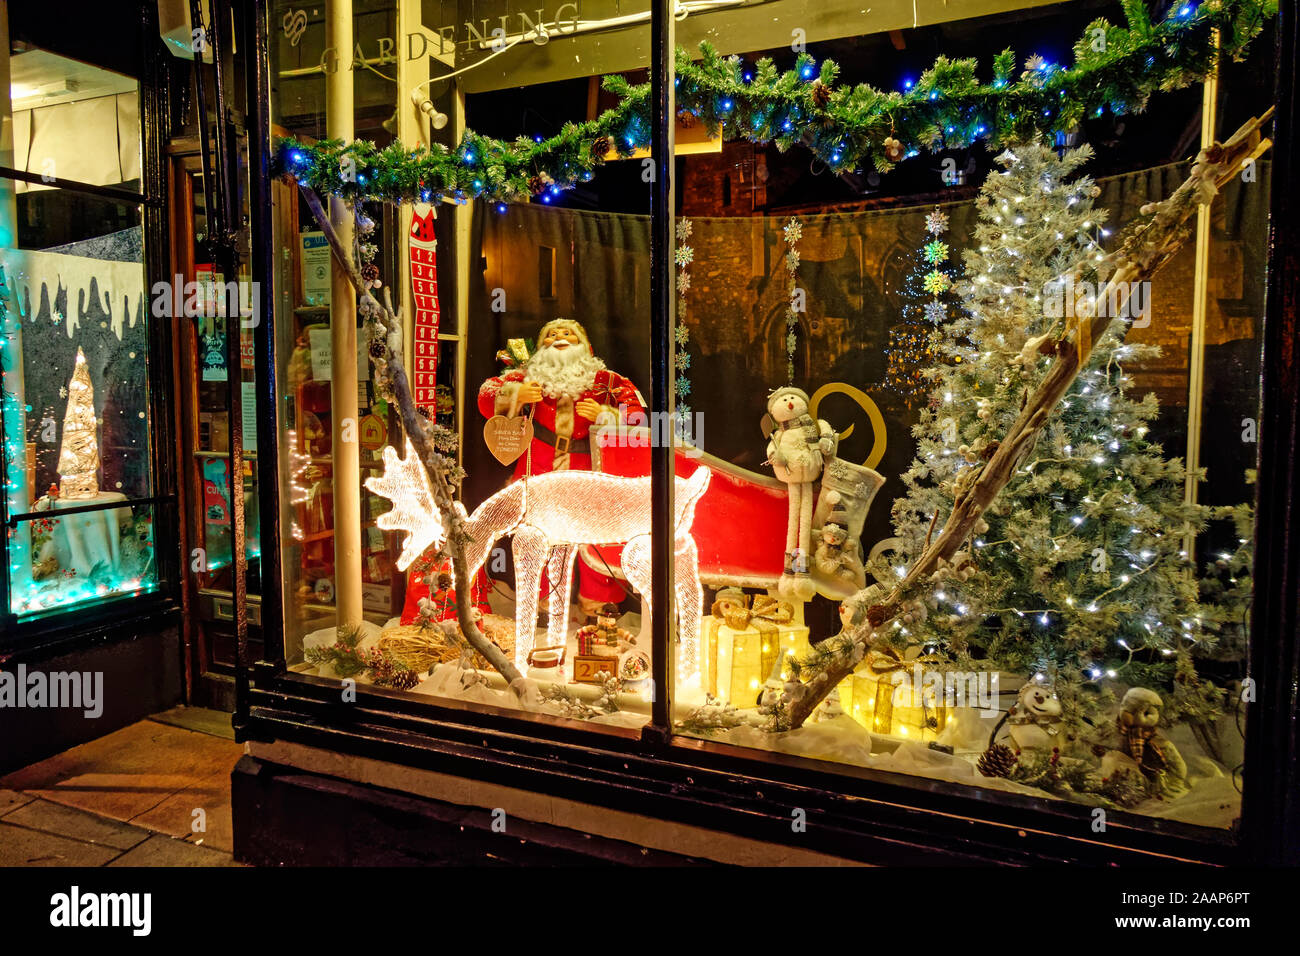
568 388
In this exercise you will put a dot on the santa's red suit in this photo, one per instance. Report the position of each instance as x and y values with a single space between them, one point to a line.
561 437
562 440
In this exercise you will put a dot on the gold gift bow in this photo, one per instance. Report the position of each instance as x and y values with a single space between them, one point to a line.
881 661
766 615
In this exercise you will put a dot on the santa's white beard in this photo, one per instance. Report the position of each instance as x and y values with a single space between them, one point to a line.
563 373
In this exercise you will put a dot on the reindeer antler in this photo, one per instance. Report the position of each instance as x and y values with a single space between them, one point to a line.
406 484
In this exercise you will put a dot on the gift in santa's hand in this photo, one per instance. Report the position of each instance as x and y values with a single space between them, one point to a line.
740 522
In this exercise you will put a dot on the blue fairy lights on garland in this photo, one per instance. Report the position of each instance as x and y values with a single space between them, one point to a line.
1116 69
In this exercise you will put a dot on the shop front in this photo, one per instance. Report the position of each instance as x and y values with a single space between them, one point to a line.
761 432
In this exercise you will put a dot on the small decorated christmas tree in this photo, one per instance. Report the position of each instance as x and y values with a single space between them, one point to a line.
79 448
930 304
1076 572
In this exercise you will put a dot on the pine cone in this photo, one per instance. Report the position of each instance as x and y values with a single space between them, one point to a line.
535 184
821 94
686 119
599 147
998 761
404 679
370 272
377 348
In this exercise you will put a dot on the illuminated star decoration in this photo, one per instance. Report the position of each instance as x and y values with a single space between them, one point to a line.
793 232
936 282
684 256
936 223
406 484
936 251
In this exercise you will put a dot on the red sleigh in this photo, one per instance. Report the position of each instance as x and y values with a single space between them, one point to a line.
739 524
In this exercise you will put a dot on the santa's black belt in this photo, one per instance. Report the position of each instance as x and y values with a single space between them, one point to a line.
563 445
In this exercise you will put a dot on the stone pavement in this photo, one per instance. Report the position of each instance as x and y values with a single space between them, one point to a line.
156 793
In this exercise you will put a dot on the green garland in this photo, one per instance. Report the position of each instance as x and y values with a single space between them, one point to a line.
1116 69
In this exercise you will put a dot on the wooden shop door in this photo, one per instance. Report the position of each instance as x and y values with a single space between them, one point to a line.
203 451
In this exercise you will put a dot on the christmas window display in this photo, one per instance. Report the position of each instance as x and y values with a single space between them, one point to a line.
76 425
1066 628
972 556
556 555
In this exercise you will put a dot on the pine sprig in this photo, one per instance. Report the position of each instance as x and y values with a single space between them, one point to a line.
1116 70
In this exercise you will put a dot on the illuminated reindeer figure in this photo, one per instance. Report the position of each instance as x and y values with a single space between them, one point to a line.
550 516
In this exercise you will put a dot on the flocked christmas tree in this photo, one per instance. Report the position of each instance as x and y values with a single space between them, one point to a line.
79 449
930 304
1076 573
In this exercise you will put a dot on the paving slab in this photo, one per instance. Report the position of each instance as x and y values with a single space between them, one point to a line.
77 825
22 847
160 850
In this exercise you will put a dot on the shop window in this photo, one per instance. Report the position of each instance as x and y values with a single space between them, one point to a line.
76 312
852 355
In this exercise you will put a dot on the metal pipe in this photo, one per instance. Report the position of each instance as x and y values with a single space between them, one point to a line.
201 101
228 257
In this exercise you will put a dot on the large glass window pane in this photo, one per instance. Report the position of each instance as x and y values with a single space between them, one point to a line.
887 324
76 339
499 285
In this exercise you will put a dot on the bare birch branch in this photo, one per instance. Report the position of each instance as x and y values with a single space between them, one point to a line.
414 425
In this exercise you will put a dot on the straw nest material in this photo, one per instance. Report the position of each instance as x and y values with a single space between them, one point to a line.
420 648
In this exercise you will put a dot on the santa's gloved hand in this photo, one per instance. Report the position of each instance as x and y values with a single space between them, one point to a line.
588 408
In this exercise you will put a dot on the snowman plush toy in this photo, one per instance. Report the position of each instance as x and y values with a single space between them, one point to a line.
797 449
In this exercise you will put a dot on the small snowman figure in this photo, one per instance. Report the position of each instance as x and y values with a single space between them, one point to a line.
1140 745
797 449
1034 720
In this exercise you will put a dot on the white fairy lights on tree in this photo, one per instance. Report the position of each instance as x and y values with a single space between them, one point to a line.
929 305
1076 570
79 446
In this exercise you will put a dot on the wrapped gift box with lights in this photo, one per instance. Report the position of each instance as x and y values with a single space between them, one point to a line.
889 696
742 640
